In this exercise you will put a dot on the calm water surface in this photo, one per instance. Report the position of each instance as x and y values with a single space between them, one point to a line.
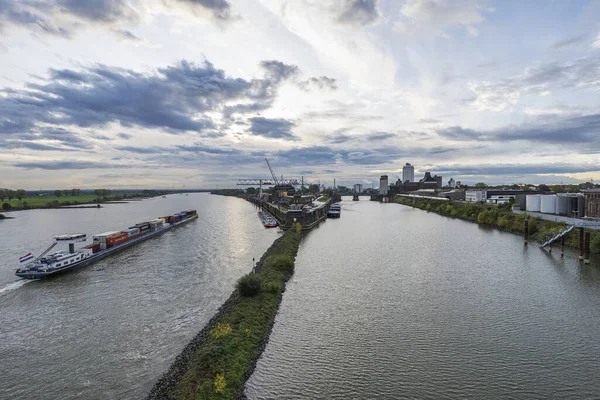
392 302
108 331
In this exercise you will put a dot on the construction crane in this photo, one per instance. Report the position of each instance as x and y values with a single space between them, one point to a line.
281 185
271 169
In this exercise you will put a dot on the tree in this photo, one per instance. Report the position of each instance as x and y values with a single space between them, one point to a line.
76 192
543 188
251 190
58 193
314 188
11 194
481 185
20 193
3 194
102 192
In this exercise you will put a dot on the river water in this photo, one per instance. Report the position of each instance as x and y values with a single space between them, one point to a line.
390 302
110 330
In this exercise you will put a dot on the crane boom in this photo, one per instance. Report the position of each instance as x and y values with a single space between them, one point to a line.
271 169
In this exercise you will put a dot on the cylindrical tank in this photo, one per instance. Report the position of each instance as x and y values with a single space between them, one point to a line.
562 204
533 202
520 201
548 204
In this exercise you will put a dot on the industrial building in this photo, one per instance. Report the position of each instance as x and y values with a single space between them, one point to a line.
567 204
428 180
408 173
383 185
475 196
592 201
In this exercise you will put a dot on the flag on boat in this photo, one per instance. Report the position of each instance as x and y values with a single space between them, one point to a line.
25 258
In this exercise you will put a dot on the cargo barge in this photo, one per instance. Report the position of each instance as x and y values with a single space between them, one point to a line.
267 219
335 211
103 245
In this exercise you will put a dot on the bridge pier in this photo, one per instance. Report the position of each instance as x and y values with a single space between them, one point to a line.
581 239
586 253
355 197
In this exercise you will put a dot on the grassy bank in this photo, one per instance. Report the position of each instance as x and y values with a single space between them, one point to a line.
54 202
217 363
502 218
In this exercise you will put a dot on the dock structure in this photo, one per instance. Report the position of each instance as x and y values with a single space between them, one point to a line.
287 218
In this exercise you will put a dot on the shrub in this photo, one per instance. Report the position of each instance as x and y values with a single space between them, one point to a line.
503 222
6 206
487 217
595 243
272 287
249 285
283 263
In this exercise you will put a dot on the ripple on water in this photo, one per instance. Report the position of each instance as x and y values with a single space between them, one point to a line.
392 302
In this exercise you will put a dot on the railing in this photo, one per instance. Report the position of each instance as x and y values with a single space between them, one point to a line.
558 236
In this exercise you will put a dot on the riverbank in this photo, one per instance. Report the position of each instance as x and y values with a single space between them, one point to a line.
222 356
500 217
49 202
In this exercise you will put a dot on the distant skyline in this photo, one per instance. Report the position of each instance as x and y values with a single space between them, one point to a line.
163 93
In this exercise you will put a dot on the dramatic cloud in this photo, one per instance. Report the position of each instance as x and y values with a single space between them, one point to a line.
581 74
359 12
63 17
578 132
177 98
514 169
61 165
272 128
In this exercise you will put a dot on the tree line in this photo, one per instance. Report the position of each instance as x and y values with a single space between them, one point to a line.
20 194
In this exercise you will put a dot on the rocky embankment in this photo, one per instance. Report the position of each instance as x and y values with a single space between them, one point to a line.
166 387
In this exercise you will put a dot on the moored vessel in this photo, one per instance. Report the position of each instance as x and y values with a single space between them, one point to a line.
335 211
103 244
267 219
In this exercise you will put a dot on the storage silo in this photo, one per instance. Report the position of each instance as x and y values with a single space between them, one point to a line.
562 204
548 204
520 200
533 202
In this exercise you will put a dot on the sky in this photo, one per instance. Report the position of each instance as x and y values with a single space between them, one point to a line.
196 93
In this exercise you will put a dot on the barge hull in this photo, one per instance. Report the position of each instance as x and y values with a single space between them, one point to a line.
102 254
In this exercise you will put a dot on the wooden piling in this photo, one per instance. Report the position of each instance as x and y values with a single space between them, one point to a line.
581 243
526 230
586 250
562 246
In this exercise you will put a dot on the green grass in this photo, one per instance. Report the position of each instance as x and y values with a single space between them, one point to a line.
53 201
323 199
502 218
220 366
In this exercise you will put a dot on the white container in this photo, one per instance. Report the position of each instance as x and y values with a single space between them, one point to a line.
533 202
132 232
548 204
562 203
